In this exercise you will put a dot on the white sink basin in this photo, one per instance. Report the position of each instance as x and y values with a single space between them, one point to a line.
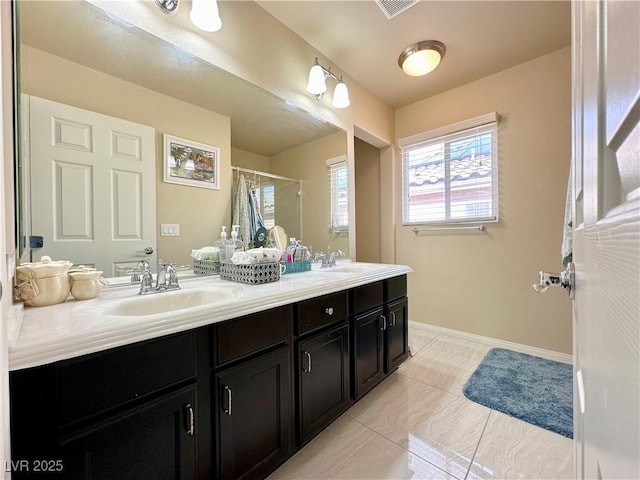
354 268
170 301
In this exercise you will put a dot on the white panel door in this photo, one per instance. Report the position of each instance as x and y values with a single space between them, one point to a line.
92 186
607 238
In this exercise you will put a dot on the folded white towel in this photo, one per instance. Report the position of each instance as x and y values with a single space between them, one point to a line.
256 255
206 253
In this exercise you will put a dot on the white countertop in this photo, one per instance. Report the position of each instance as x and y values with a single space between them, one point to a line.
47 334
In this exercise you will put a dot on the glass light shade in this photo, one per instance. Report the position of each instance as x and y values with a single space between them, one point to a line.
204 15
341 96
189 165
316 83
421 62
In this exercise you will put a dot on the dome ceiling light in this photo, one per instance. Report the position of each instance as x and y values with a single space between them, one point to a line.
422 57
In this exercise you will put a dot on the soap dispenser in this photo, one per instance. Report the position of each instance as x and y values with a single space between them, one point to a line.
222 245
234 244
291 249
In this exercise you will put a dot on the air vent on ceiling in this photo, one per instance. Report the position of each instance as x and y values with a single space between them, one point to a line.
391 8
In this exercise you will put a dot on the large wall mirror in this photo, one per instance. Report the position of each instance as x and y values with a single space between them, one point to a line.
75 58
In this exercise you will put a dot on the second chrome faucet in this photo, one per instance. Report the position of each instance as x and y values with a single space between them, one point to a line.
166 279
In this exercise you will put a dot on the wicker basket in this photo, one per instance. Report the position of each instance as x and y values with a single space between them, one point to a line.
297 267
206 267
252 274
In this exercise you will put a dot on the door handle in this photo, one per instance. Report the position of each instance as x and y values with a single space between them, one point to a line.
308 369
384 322
190 419
227 410
392 320
565 279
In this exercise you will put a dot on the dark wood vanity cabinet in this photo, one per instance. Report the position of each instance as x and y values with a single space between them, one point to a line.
233 400
131 412
396 339
368 348
380 332
323 380
252 401
322 363
155 440
397 314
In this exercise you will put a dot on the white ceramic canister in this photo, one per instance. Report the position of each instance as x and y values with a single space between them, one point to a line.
86 282
43 283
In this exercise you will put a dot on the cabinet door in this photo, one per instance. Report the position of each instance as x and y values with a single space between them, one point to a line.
396 335
323 376
368 351
153 441
254 416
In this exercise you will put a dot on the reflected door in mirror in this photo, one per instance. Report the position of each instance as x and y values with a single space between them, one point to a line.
93 178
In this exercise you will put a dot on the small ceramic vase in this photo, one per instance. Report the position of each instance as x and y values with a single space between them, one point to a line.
86 283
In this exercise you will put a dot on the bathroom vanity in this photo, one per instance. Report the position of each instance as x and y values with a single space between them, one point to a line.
228 388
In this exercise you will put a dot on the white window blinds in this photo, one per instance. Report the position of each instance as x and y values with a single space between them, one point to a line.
449 175
339 195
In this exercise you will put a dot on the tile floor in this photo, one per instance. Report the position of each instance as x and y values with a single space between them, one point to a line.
417 424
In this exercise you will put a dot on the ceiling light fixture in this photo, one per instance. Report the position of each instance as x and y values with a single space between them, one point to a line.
205 15
422 57
317 85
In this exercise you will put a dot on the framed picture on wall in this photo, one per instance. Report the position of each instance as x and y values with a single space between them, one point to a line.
186 162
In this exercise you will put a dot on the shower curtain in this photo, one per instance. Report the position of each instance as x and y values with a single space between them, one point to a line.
246 212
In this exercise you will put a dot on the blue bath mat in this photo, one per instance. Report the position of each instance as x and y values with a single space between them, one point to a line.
533 389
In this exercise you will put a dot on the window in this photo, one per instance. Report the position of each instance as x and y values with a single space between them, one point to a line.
339 195
265 197
449 175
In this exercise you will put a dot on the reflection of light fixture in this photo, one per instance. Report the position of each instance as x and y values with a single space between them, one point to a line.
317 85
189 165
204 15
422 57
172 161
168 6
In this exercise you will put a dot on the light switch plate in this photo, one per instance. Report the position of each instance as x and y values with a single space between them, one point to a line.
169 230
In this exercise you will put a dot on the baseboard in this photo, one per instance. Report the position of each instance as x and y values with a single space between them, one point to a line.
494 342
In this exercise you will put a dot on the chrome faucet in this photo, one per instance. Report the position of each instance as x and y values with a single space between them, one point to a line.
330 259
167 278
333 255
146 280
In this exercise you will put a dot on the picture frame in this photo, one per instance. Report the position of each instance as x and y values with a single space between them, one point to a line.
191 163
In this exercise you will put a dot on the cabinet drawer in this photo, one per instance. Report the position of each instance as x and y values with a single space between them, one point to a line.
395 287
366 297
97 382
251 334
320 312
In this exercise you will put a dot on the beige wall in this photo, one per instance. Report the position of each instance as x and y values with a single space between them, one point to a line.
249 160
308 163
200 212
481 282
367 195
279 65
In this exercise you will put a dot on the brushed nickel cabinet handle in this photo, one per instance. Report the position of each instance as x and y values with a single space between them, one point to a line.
328 310
308 369
384 322
191 419
392 321
227 410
